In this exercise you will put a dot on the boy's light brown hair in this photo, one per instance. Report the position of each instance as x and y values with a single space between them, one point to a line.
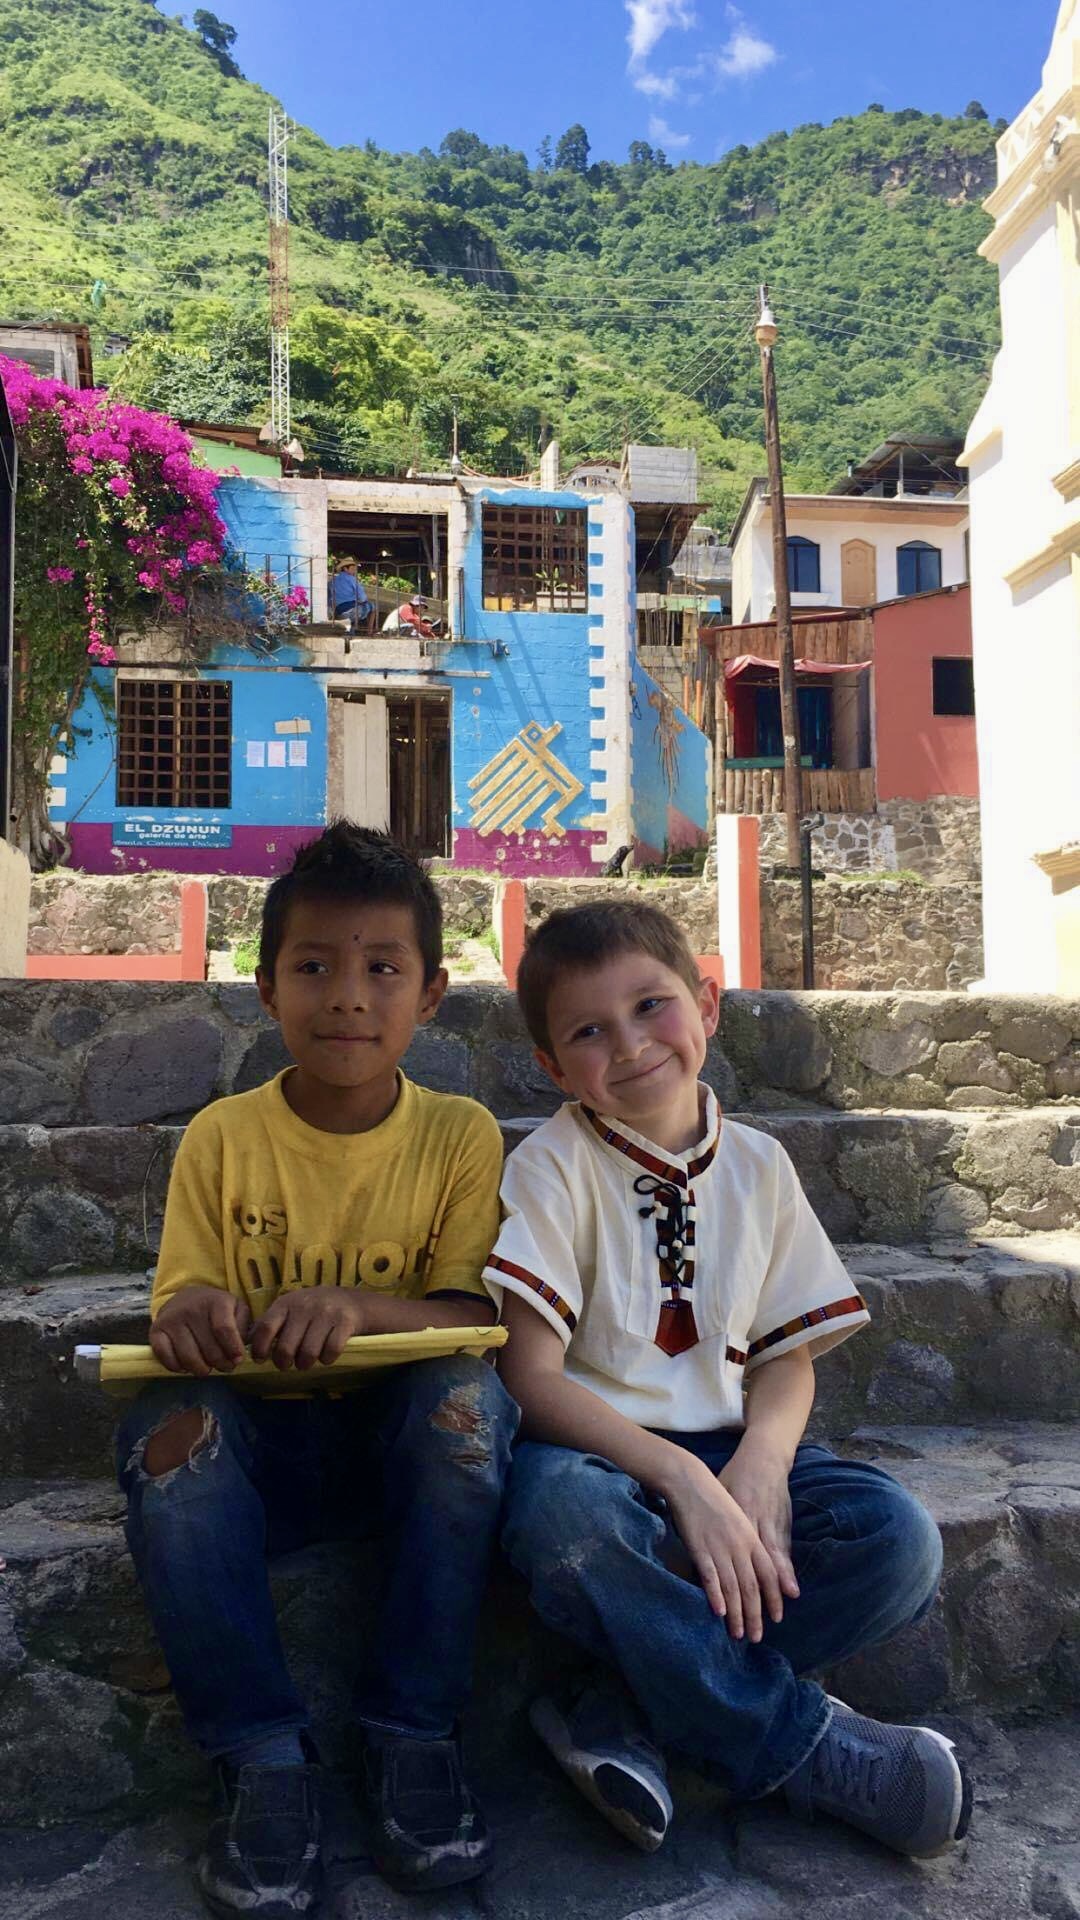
577 939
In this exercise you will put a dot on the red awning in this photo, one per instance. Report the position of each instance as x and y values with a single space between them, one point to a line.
744 661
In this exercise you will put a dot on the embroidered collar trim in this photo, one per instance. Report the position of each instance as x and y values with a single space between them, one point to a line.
680 1170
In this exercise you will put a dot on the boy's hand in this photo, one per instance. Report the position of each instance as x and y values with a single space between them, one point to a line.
308 1326
201 1330
757 1479
732 1562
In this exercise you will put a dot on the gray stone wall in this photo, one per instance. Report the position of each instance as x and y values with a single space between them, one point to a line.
873 935
92 913
977 1124
140 913
938 839
691 903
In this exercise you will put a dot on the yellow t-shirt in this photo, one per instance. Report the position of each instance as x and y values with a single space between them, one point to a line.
259 1201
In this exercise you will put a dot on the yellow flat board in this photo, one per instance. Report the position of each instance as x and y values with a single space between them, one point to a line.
125 1369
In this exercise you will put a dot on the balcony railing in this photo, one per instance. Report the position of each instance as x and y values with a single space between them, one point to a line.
759 788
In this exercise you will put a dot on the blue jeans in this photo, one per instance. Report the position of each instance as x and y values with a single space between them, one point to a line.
598 1553
420 1454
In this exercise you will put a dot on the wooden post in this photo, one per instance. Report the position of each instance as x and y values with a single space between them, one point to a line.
765 334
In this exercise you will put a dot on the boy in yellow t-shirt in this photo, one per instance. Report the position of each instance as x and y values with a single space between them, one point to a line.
339 1199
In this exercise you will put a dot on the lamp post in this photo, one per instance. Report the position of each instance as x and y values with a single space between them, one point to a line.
765 334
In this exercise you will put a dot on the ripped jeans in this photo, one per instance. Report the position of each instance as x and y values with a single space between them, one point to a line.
419 1456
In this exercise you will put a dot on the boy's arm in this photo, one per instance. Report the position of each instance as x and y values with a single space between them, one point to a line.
732 1564
199 1327
779 1399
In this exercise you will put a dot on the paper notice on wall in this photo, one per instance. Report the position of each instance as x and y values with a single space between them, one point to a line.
256 753
298 753
292 726
275 753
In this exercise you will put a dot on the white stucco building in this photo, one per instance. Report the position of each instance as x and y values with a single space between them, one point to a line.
1023 462
848 548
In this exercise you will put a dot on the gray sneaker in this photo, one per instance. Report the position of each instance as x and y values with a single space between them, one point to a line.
902 1785
601 1745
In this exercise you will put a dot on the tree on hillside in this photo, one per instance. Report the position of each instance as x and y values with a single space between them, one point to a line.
544 155
975 111
466 148
217 37
572 152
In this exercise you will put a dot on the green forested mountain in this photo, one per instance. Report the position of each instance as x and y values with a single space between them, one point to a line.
597 300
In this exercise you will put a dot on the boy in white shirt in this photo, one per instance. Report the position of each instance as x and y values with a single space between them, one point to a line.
666 1286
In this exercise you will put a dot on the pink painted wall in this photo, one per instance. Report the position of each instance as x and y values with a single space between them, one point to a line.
921 753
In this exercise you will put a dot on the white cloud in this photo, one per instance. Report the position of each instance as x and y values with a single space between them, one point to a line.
745 53
666 136
650 20
658 86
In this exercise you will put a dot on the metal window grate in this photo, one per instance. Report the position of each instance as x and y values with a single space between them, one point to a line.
535 557
174 743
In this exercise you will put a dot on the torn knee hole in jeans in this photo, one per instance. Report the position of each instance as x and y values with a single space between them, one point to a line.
204 1445
459 1413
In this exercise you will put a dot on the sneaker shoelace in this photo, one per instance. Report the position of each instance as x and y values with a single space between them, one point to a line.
848 1769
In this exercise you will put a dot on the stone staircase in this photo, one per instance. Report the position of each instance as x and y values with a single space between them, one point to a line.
939 1139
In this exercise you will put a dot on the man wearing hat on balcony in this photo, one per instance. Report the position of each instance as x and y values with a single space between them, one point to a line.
348 596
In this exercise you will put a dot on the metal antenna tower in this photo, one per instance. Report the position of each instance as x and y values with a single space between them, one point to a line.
280 396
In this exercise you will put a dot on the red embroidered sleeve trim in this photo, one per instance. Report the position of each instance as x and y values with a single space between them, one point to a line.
817 1316
538 1286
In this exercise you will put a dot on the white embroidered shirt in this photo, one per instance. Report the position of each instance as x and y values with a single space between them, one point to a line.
668 1276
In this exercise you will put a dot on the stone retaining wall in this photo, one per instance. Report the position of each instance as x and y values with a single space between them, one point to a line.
75 1053
937 839
874 935
140 913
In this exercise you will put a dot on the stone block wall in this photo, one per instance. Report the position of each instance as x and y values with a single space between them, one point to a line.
873 935
127 913
937 839
92 913
691 903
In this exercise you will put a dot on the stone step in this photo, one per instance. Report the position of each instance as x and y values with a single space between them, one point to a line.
88 1728
960 1331
123 1054
80 1198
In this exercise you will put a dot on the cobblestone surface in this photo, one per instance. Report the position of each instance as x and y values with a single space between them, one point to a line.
556 1861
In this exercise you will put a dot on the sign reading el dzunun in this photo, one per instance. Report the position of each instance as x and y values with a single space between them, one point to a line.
171 830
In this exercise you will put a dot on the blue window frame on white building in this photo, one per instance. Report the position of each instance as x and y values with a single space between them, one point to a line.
803 565
918 568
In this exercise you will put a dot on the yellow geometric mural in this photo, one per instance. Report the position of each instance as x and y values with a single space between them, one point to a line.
521 777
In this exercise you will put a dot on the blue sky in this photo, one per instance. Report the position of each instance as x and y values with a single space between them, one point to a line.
693 76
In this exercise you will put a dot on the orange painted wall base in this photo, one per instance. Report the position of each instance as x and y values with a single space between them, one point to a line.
189 963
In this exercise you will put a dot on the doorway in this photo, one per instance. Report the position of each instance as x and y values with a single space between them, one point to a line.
858 573
418 726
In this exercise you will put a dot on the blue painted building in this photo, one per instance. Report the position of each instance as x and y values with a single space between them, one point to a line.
521 736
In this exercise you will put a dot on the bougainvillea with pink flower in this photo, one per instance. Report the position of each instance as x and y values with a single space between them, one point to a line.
115 524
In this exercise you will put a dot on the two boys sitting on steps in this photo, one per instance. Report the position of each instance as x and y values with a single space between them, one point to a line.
665 1285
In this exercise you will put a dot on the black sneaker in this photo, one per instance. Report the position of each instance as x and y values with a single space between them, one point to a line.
262 1855
902 1785
425 1827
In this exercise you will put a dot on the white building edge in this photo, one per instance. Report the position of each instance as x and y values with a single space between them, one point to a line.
1023 461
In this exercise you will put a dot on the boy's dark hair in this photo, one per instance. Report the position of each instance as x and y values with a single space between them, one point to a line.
354 864
577 939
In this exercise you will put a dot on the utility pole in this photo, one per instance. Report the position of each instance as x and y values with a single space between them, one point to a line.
9 467
765 334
